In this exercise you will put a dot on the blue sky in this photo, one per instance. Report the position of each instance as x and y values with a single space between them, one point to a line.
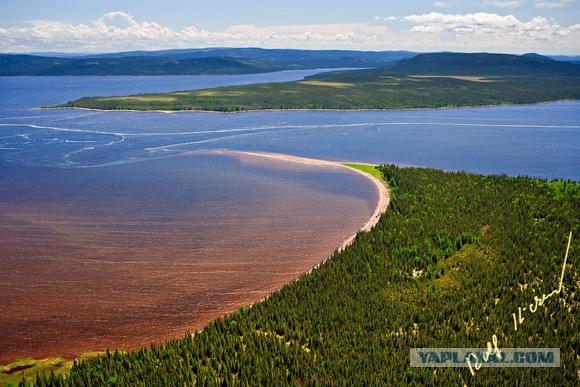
509 26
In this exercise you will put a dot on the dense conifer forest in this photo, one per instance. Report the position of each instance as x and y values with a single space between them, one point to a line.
447 266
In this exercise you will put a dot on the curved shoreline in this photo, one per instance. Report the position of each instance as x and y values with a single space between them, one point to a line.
384 196
382 204
241 111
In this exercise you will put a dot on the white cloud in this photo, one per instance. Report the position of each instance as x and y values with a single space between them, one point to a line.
323 35
503 4
552 4
442 4
118 31
482 22
496 31
115 20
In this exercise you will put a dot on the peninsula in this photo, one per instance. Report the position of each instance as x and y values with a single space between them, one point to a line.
424 81
446 265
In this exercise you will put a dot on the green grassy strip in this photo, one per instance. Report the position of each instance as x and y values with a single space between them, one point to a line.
370 169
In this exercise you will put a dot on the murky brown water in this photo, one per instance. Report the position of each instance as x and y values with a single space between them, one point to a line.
119 257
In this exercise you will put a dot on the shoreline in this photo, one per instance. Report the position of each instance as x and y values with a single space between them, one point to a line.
384 197
380 186
300 109
380 208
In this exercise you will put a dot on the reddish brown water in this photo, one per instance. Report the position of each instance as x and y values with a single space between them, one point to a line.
123 256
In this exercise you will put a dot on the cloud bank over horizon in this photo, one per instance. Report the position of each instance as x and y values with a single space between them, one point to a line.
435 31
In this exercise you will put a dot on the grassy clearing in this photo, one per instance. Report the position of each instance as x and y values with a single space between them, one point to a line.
329 84
218 93
28 368
460 77
144 98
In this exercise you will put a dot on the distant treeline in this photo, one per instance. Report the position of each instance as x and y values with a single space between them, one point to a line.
447 266
228 61
11 65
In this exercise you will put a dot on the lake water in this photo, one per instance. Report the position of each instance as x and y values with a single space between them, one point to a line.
119 228
535 140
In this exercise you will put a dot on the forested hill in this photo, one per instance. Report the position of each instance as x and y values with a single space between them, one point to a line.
281 57
483 64
11 65
449 264
257 60
193 62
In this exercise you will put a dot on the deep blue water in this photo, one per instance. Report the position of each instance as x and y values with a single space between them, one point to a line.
535 140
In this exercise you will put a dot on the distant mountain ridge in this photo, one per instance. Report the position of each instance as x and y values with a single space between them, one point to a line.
328 58
35 65
481 64
194 62
257 60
